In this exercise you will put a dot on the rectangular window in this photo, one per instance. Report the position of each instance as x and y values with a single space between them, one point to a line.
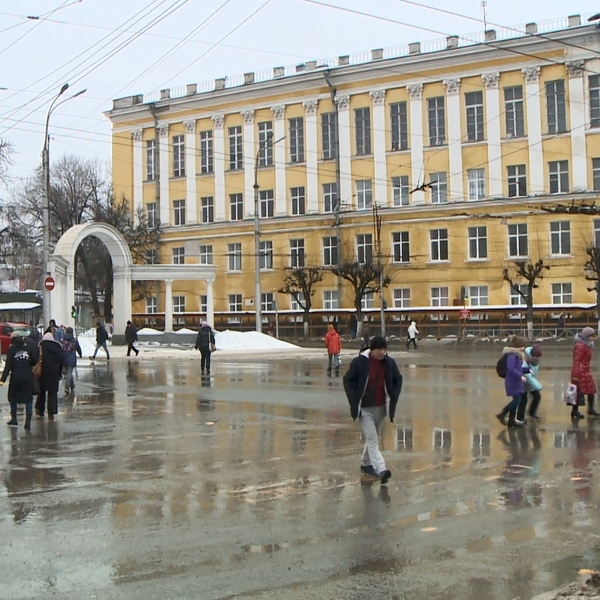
330 251
234 257
513 109
329 133
151 214
438 239
439 188
236 151
399 123
179 256
179 304
364 248
265 141
364 195
267 203
562 293
265 255
330 197
151 160
297 301
362 130
267 301
297 254
400 191
517 299
298 200
206 152
478 295
330 299
597 233
208 209
559 176
179 212
297 140
474 103
596 173
178 156
152 305
437 121
476 179
517 240
560 237
594 81
235 303
401 247
477 243
236 205
203 303
152 256
402 298
556 106
367 300
439 296
517 181
206 255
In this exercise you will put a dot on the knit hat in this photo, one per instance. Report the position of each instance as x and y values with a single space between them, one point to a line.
47 337
587 332
378 342
518 342
536 352
16 334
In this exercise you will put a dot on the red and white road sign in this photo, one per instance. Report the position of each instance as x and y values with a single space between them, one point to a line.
465 314
49 283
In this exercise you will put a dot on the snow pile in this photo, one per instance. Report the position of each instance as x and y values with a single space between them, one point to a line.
148 331
249 340
88 344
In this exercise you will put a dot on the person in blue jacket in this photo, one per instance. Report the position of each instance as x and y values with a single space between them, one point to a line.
533 354
514 381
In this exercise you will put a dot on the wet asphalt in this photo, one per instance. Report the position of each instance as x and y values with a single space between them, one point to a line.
156 482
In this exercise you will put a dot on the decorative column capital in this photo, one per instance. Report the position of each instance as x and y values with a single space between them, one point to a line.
136 134
452 86
190 125
491 80
378 96
343 102
278 111
248 116
163 129
218 120
415 90
575 68
531 74
310 106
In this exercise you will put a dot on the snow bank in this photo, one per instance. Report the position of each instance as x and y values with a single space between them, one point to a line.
249 340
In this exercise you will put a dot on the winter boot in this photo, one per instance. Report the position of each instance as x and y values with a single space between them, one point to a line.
591 411
28 422
502 415
575 414
13 419
521 408
513 421
535 402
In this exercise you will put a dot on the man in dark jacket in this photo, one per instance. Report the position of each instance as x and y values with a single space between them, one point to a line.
205 342
101 339
373 384
51 356
131 337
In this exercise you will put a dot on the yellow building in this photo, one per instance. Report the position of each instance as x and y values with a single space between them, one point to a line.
459 145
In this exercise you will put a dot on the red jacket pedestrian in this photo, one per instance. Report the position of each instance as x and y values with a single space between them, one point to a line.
581 374
333 343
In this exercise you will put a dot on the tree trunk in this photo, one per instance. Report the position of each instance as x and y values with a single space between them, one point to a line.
108 297
305 319
530 322
90 283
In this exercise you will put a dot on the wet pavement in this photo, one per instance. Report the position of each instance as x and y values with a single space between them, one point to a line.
154 482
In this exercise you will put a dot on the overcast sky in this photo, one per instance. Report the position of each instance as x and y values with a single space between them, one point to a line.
116 48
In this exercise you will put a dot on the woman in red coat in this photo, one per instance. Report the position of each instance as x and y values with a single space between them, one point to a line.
581 375
333 343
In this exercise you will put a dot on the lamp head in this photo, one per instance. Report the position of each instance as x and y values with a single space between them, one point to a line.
63 89
79 93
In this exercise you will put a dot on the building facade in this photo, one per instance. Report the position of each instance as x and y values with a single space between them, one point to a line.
460 149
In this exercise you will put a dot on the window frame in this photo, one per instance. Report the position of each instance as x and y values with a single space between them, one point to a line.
298 201
265 144
364 248
474 120
235 302
362 131
398 126
401 300
517 181
518 238
234 257
207 204
296 130
558 173
436 121
400 191
178 304
236 206
560 238
151 160
514 111
330 251
330 197
331 300
151 305
206 152
297 253
476 184
439 245
236 148
178 142
438 183
266 204
556 106
440 298
179 212
364 194
478 242
564 293
328 135
594 95
401 247
206 255
152 215
178 255
265 255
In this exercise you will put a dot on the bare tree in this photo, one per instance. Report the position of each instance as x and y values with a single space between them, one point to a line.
528 273
299 283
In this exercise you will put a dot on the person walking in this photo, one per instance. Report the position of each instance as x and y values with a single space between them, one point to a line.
581 374
20 389
131 337
533 354
373 384
514 380
101 339
413 332
51 356
333 343
70 350
205 342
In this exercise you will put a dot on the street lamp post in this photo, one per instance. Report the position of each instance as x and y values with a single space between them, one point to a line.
46 200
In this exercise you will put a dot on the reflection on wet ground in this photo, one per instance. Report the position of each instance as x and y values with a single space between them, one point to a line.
155 482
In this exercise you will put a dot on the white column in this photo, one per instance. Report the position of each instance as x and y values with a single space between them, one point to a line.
494 135
219 162
379 157
312 154
122 293
417 137
280 150
577 110
210 303
138 167
168 305
190 171
249 162
454 140
345 191
163 159
534 134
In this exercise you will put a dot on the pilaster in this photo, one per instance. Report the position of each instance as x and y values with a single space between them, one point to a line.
312 152
494 135
190 171
379 156
534 133
219 165
454 141
416 142
279 157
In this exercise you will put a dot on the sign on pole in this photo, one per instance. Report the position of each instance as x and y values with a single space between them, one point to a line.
49 283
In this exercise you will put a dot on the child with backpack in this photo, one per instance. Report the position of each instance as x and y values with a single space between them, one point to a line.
511 366
533 354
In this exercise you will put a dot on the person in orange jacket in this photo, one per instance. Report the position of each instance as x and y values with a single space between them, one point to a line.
333 343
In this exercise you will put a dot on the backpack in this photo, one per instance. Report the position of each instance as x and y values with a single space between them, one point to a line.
68 345
501 367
